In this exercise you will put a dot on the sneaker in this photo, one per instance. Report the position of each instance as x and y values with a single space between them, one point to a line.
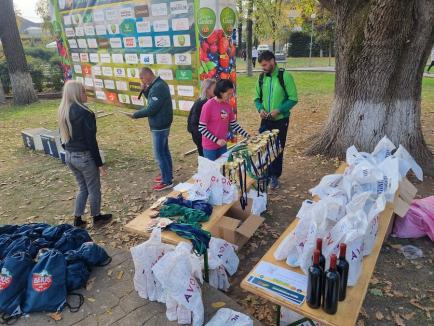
101 219
158 179
162 186
79 223
274 184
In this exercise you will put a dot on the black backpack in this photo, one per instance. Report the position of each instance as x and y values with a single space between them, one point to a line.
281 82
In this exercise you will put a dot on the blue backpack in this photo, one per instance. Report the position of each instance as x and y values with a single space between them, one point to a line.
46 284
54 233
5 241
77 274
21 243
91 253
32 230
13 280
72 239
8 229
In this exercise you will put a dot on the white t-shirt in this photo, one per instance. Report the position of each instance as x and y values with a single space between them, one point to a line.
254 53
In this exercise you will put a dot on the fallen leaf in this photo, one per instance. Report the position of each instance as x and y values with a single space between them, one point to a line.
374 280
91 299
218 304
398 320
379 315
56 316
376 292
395 246
408 316
398 294
89 283
360 322
119 275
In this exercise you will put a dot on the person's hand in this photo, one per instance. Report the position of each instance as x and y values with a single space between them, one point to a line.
128 114
103 171
263 114
221 142
275 113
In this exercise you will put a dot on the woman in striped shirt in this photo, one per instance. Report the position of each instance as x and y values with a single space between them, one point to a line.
215 119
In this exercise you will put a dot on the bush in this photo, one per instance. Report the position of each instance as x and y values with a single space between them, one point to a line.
300 45
55 80
36 68
41 53
4 76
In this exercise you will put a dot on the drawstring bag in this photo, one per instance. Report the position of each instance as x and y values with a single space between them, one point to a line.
72 239
54 233
5 241
32 230
91 254
21 243
8 229
42 243
46 283
13 279
77 274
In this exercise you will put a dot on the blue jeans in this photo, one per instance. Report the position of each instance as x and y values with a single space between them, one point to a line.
86 173
160 142
214 154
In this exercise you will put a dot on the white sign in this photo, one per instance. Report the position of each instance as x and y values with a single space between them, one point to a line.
121 85
161 25
107 71
105 57
88 81
116 43
119 72
183 59
89 30
178 7
98 16
135 100
67 20
82 44
94 57
98 83
159 9
145 41
127 13
75 57
79 31
172 90
124 98
100 94
84 57
113 29
164 59
109 84
79 79
92 43
185 105
117 58
77 69
131 58
147 59
143 27
100 30
184 90
96 70
112 14
166 74
69 32
72 43
162 41
180 24
133 73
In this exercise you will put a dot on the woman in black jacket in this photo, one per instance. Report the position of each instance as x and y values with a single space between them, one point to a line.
208 86
77 126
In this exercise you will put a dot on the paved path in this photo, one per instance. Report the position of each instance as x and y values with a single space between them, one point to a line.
112 300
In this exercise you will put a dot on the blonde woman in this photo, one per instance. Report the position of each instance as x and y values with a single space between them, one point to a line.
208 86
78 133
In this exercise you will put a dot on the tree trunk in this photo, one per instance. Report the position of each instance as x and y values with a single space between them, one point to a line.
381 50
240 29
249 38
274 46
2 94
22 86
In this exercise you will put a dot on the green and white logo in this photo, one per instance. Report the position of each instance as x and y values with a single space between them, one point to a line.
228 19
206 20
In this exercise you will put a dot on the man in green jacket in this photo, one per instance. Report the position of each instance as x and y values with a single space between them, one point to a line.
159 112
276 95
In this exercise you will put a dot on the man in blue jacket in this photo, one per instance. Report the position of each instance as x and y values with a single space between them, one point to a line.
159 112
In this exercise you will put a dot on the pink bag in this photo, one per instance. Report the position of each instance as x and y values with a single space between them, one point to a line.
419 220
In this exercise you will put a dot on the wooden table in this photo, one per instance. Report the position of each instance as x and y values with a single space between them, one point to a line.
348 310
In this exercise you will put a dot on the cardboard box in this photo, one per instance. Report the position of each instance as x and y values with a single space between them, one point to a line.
405 195
32 138
51 143
237 226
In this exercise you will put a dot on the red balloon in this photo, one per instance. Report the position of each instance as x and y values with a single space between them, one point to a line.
223 45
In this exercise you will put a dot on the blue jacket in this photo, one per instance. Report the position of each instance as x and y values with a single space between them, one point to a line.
159 110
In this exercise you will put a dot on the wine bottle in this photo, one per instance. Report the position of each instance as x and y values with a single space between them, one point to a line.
322 260
331 294
314 283
342 268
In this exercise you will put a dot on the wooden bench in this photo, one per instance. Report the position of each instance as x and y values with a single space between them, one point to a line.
348 310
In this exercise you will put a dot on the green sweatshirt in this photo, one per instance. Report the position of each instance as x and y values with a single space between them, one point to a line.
273 95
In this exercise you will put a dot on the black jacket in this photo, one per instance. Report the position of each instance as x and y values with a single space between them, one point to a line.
83 123
159 109
194 116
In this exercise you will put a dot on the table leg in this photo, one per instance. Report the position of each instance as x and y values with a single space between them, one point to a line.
278 316
206 268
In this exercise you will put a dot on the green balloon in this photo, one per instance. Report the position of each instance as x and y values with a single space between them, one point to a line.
228 19
206 20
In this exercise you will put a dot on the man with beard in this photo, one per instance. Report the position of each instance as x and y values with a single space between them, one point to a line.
276 95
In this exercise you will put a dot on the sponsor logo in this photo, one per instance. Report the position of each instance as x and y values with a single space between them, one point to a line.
79 31
116 43
141 11
162 41
184 90
180 24
121 85
119 72
103 43
5 279
145 41
161 25
178 7
130 42
92 43
164 59
41 281
131 58
109 84
147 59
134 87
82 44
143 27
159 9
117 58
183 59
105 57
84 57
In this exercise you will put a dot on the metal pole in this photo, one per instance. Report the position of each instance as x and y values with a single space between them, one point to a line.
311 40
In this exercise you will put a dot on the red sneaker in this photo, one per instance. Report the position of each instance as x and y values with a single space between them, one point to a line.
162 186
158 179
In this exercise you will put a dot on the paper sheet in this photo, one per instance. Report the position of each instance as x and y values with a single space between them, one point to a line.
287 284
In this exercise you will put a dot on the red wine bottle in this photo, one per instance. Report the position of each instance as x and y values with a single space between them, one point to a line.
314 283
342 268
331 295
321 257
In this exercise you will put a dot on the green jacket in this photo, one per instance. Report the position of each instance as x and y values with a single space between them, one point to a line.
159 110
273 96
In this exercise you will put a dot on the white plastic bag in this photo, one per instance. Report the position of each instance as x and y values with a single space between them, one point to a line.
383 149
220 253
259 204
286 248
230 191
176 273
407 163
229 317
219 279
373 209
145 256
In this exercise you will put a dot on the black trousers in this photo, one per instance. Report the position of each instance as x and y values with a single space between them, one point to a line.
430 66
254 62
197 139
276 166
